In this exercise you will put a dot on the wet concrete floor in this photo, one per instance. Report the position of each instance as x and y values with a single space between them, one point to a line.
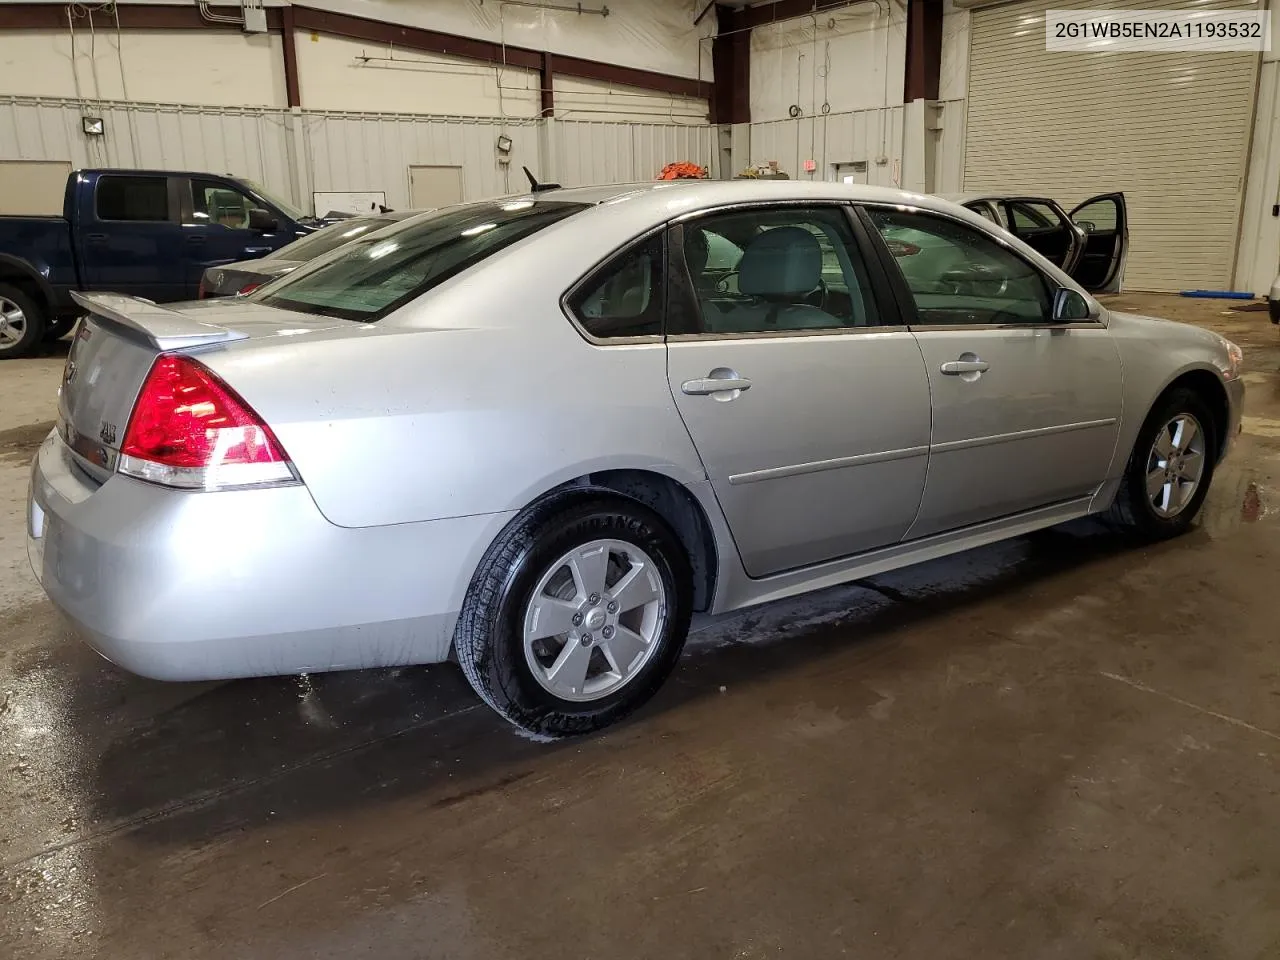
1060 746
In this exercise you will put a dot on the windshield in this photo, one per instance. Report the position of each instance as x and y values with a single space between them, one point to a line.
370 277
331 237
284 206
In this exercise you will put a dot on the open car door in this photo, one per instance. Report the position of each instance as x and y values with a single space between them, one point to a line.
1105 222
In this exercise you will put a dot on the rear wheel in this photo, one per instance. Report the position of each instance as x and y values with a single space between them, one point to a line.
577 615
1170 468
21 323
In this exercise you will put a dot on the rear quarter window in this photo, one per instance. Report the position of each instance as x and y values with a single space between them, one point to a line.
369 278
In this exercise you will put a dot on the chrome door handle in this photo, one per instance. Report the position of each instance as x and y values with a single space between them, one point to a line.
956 367
709 385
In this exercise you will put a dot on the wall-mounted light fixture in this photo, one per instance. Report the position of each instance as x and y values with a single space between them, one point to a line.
93 126
504 144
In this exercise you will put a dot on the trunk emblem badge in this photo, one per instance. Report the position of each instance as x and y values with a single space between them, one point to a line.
107 433
70 372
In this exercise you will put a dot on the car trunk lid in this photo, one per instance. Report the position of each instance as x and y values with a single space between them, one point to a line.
117 342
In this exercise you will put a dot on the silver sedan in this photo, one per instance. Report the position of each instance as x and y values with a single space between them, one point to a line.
537 435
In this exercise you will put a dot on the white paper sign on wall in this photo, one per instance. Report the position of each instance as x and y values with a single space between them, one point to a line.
333 201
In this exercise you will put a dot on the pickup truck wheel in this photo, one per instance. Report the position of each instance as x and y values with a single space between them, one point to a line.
21 323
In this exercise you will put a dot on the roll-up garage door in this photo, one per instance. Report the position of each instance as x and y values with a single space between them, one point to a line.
1171 130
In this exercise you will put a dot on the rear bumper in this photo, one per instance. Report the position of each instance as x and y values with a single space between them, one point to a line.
204 586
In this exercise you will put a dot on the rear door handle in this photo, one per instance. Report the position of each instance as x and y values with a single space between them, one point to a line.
709 385
195 240
96 237
956 367
257 251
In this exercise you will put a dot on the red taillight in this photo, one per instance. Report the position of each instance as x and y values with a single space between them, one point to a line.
201 292
189 429
249 287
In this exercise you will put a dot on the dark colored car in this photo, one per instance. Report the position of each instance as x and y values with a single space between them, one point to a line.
149 233
232 279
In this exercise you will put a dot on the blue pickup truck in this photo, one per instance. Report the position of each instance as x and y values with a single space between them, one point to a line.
149 233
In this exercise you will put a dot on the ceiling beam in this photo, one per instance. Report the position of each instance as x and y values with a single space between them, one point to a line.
133 16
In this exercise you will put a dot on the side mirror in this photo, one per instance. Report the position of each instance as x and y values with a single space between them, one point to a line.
262 221
1070 305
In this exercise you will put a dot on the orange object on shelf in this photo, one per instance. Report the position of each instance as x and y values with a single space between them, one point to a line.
682 170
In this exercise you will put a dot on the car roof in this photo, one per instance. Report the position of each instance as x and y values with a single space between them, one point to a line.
699 193
991 195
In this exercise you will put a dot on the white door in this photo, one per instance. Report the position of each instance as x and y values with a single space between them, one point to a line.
1170 130
433 187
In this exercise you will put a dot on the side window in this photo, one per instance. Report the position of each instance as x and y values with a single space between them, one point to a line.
132 198
1028 216
983 209
214 202
958 275
624 298
776 269
1098 217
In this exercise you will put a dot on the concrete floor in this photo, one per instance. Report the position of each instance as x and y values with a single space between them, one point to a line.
1061 746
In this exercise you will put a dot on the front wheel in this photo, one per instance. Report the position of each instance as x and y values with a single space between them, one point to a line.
21 323
1170 468
577 615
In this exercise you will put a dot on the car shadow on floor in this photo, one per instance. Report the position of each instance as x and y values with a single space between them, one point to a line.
193 761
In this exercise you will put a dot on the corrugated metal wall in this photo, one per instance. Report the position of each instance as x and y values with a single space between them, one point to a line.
356 152
248 142
295 153
591 152
1176 142
869 135
948 150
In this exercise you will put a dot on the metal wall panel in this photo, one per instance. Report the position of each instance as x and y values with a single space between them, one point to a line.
346 151
295 153
948 151
592 152
249 143
874 136
1171 130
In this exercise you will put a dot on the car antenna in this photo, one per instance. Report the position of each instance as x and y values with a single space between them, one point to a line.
535 186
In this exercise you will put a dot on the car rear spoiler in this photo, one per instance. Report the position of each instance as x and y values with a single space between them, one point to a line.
163 328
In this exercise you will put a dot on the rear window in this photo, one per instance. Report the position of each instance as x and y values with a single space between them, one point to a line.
132 198
373 276
332 237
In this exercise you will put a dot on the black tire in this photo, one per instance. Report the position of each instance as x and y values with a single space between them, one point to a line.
33 324
489 640
1133 509
58 329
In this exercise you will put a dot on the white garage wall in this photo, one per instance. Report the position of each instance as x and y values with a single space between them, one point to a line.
593 100
871 135
228 68
647 34
953 79
297 152
246 142
333 74
851 58
948 150
590 153
183 66
374 152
